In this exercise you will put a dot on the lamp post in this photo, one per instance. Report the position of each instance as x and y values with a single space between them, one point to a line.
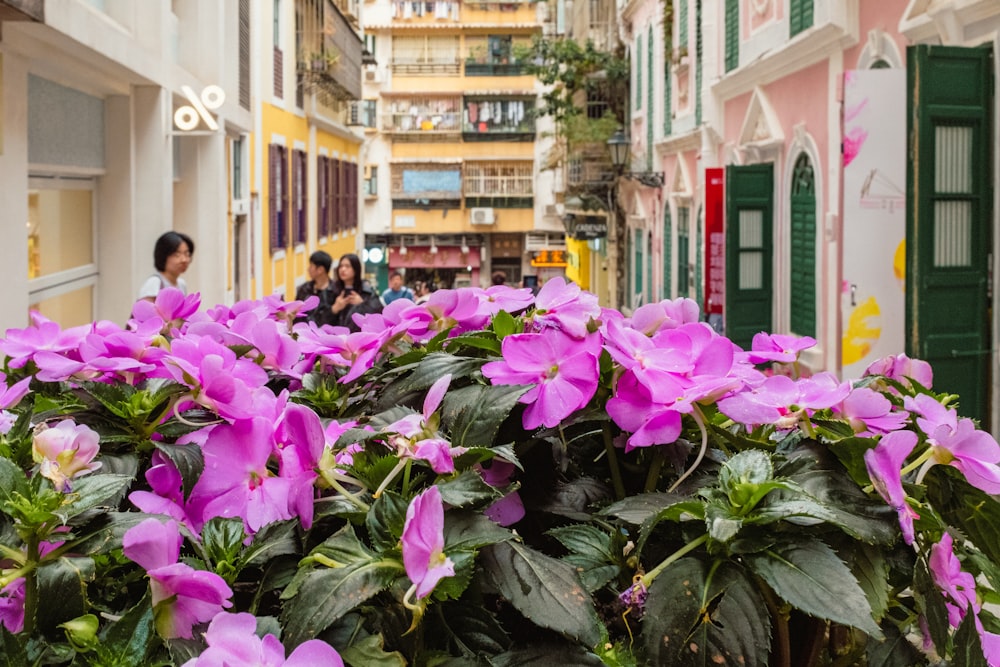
619 148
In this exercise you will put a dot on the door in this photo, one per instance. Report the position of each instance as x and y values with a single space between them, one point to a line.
948 219
749 251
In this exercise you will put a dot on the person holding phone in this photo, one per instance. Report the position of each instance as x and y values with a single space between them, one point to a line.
352 293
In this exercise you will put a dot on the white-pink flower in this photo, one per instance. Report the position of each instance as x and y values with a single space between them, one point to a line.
65 451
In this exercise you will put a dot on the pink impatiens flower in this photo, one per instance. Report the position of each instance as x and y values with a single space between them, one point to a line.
12 606
65 451
232 641
566 307
182 596
958 587
564 372
885 463
423 543
778 347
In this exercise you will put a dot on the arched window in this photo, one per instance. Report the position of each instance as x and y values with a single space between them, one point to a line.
803 259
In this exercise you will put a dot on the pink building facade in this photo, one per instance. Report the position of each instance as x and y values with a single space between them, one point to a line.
830 170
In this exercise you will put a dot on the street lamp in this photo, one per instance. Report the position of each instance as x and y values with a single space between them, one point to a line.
619 149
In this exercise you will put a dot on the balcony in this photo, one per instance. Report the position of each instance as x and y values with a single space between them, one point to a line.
498 119
498 184
419 118
425 186
589 167
329 51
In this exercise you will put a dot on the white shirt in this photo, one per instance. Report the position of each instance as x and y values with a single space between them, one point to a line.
157 281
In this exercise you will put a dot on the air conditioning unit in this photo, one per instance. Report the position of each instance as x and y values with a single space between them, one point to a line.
373 76
482 216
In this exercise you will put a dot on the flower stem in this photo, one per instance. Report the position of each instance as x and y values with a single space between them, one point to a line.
31 586
653 476
336 486
616 473
647 578
700 420
406 476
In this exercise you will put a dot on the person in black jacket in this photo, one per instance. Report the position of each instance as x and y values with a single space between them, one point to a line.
352 294
319 285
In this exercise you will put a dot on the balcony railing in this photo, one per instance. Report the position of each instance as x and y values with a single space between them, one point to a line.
498 120
474 68
589 166
435 68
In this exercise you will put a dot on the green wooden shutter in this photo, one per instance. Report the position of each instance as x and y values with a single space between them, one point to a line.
638 72
749 251
650 115
803 264
800 16
682 23
668 91
638 265
732 54
699 256
948 219
683 250
668 268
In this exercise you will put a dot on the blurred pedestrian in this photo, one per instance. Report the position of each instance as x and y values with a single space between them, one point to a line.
171 257
397 290
499 278
352 293
319 285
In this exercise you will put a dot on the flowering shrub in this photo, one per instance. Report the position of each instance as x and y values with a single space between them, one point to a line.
490 478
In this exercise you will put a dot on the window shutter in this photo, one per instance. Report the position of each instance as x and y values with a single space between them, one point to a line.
273 196
732 34
803 260
800 16
321 201
244 54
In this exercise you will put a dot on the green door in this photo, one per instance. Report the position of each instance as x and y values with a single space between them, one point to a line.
749 251
948 219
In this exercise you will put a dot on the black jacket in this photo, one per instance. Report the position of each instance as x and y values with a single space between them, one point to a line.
321 314
371 303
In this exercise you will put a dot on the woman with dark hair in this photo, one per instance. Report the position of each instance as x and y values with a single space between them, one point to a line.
171 257
352 293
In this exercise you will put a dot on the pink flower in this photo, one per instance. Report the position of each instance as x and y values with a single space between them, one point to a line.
667 314
958 587
338 346
507 510
170 304
167 495
12 606
65 451
504 297
903 369
232 640
236 481
564 373
868 411
182 596
423 542
885 463
22 345
566 307
778 347
220 380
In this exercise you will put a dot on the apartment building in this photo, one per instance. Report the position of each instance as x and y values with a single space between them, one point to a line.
452 185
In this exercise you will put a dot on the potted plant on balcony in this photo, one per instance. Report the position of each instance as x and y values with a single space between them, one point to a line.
492 477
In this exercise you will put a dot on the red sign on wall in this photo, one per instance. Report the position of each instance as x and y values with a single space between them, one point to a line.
715 248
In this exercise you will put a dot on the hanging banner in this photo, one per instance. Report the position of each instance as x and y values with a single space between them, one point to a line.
715 246
872 292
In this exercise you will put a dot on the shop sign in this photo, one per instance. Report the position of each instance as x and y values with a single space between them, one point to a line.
589 227
548 258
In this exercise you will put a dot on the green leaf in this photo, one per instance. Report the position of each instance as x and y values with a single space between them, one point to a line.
12 480
474 414
13 653
326 594
105 532
223 539
697 614
968 651
92 491
189 461
62 589
638 509
423 374
370 650
472 629
128 640
971 510
468 488
591 551
932 605
895 651
482 340
810 577
546 655
574 499
504 324
869 566
469 530
385 520
544 589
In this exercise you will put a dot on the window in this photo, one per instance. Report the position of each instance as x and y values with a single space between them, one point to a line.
371 181
800 16
363 113
237 159
682 24
498 179
278 196
243 54
279 61
62 256
732 55
431 55
323 196
422 114
495 116
337 196
350 195
298 196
